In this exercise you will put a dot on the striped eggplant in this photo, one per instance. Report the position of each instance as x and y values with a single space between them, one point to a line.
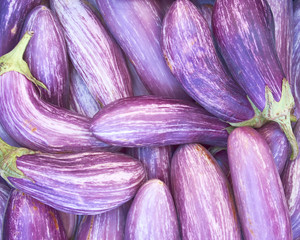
32 122
152 214
257 187
106 226
46 55
27 218
277 142
189 50
79 183
296 57
4 195
94 54
136 25
290 181
12 17
156 161
81 100
156 121
69 223
202 196
244 32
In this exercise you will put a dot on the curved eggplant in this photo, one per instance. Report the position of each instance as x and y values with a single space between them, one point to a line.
69 223
106 226
243 30
202 196
94 54
296 57
4 196
12 17
257 187
136 25
26 218
155 121
32 122
46 55
152 214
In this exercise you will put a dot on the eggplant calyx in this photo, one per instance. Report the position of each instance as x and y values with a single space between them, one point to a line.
13 61
8 160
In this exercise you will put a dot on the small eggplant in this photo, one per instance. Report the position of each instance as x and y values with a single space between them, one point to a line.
257 187
156 121
4 195
296 57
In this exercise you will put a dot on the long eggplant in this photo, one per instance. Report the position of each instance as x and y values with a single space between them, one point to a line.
152 214
79 183
257 187
46 55
27 218
136 25
4 195
202 196
106 226
156 121
94 54
296 57
244 33
32 122
69 223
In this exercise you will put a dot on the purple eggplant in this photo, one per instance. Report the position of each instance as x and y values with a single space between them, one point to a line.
156 161
277 142
202 196
290 181
94 54
79 183
32 122
27 218
243 30
4 195
296 58
206 12
12 17
136 25
106 226
46 55
156 121
5 137
152 214
221 157
69 223
257 187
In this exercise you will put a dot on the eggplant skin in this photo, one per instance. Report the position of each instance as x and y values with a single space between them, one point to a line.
257 187
156 121
27 218
296 58
85 183
4 196
152 214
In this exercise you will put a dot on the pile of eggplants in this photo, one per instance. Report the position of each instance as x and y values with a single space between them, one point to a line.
150 119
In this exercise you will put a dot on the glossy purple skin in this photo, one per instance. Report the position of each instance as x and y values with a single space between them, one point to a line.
277 142
202 196
243 30
6 138
27 218
136 25
106 226
4 195
81 100
85 183
152 214
296 58
94 54
290 181
189 49
38 125
155 121
69 223
46 55
222 159
156 161
12 17
257 187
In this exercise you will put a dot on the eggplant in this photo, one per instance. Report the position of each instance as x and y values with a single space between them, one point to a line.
69 223
78 183
46 55
206 12
32 122
156 121
152 214
106 226
136 26
12 17
277 142
4 196
296 57
7 138
244 33
221 157
202 196
257 187
94 54
26 218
